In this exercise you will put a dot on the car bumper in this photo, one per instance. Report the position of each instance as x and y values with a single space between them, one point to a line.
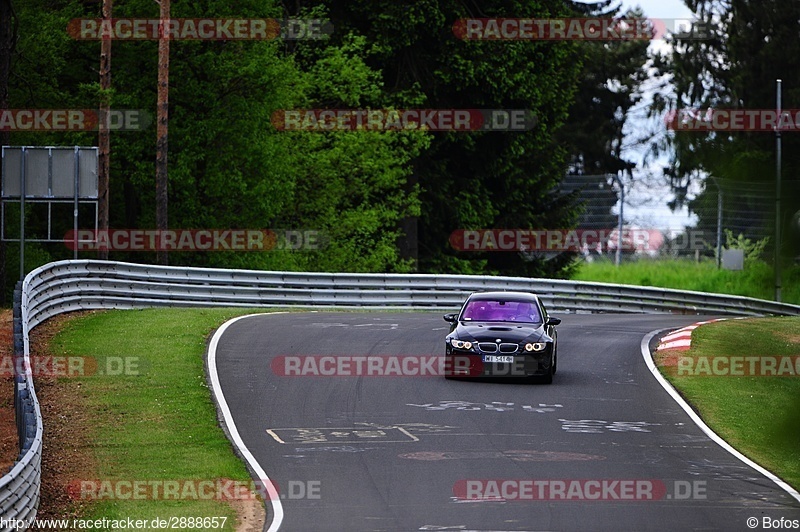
470 364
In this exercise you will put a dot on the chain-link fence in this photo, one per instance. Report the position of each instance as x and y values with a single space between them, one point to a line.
726 210
654 225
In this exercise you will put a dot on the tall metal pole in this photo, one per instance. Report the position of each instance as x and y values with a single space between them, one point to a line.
22 157
719 223
76 188
719 228
618 255
778 201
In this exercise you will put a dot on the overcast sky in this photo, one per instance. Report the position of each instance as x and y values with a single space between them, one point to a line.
646 205
656 8
660 8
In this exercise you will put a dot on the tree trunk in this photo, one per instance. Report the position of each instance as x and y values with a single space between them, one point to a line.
104 140
408 243
7 38
162 127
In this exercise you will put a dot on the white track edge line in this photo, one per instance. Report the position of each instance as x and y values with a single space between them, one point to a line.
236 439
648 359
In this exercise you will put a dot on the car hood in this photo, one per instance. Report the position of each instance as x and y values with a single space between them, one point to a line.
486 331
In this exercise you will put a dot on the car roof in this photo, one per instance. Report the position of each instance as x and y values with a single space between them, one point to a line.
507 296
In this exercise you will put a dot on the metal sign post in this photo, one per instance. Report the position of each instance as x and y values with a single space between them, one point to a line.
778 199
49 175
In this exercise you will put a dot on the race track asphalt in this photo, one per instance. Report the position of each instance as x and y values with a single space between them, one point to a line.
387 453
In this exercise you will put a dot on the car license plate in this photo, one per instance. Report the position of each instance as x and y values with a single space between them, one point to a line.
493 358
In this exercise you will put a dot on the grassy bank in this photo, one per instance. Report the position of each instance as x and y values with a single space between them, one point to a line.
154 422
756 280
759 415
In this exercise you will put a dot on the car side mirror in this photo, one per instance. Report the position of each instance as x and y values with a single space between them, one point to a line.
553 321
450 318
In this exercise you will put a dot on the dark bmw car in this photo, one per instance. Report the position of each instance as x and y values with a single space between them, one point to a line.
502 334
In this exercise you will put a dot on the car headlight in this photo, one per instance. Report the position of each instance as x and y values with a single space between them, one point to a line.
459 344
536 346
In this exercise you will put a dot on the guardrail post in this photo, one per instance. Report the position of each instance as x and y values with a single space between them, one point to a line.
17 359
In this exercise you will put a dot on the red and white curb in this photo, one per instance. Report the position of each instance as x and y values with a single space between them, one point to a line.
681 339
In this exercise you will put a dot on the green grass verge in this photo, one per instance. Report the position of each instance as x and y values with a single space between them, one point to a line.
756 280
161 424
758 415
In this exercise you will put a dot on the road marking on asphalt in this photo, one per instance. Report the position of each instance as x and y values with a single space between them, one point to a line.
233 432
342 435
381 325
598 426
494 406
336 449
437 527
515 455
414 428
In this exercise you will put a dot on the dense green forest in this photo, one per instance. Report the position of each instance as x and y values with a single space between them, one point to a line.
384 201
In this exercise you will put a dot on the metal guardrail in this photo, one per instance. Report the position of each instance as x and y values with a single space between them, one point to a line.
72 285
19 488
87 284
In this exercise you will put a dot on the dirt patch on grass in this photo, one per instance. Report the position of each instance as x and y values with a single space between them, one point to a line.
789 337
250 515
9 442
668 358
67 437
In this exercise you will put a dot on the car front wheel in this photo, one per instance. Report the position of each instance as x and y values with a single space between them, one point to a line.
548 379
555 357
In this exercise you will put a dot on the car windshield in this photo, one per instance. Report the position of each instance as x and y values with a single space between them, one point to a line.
501 310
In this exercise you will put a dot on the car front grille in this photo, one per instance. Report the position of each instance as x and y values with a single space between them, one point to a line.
491 347
508 348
